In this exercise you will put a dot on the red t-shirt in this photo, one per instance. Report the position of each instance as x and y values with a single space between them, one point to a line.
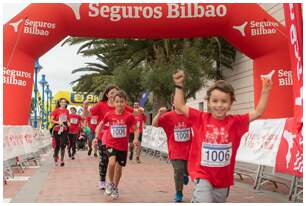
119 125
75 123
140 118
178 131
62 114
214 146
100 109
92 122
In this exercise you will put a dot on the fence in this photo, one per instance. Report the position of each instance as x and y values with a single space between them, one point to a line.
23 146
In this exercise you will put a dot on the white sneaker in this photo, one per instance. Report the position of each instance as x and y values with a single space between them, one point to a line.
109 189
102 185
115 194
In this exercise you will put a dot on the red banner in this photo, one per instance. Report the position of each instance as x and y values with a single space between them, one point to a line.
289 158
291 146
293 17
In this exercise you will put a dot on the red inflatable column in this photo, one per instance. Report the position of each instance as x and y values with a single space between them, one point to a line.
276 65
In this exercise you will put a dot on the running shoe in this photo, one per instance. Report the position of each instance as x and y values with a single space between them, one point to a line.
109 188
178 196
72 157
55 161
138 160
102 185
89 152
95 155
62 164
186 180
115 194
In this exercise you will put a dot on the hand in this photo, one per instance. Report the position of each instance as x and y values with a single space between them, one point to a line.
162 110
136 142
179 78
266 84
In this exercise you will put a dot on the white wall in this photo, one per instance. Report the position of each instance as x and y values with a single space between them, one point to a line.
241 77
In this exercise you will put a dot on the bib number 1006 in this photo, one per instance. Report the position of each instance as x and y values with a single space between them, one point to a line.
216 155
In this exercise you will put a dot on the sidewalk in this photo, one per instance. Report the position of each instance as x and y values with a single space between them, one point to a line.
150 181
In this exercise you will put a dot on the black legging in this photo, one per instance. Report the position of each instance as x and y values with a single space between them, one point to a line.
103 160
72 143
60 144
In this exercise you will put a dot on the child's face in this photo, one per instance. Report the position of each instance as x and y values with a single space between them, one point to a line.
73 111
110 95
219 103
119 103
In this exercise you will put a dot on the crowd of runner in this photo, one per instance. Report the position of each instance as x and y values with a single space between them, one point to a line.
202 146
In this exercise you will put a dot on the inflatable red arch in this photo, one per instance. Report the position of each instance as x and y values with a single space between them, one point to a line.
41 26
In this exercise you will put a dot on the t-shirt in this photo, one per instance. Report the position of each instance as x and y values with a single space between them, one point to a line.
75 123
92 122
119 125
60 114
178 131
140 118
100 109
214 146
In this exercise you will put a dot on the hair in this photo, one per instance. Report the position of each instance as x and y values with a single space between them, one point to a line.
107 89
58 102
121 94
222 86
73 108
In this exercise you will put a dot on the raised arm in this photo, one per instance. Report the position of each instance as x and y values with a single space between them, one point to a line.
161 111
179 101
261 106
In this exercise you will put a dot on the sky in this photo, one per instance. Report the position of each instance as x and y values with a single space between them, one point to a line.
59 58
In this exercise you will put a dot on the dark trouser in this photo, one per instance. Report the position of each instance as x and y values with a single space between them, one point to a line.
103 160
72 143
60 144
180 169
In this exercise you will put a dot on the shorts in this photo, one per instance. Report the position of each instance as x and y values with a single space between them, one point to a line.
121 156
204 192
131 139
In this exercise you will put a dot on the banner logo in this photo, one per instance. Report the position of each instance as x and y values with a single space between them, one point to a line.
76 9
16 24
241 28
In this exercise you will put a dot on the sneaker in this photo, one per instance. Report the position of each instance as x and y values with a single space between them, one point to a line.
89 152
55 161
62 164
95 155
109 188
178 196
186 180
131 156
72 157
138 160
102 185
115 194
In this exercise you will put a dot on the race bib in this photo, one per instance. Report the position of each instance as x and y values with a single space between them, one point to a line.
63 118
93 121
73 121
118 131
182 135
216 155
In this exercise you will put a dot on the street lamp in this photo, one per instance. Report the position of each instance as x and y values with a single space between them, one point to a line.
48 91
37 68
43 83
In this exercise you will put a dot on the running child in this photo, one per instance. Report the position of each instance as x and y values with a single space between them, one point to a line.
74 131
178 132
216 138
120 121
